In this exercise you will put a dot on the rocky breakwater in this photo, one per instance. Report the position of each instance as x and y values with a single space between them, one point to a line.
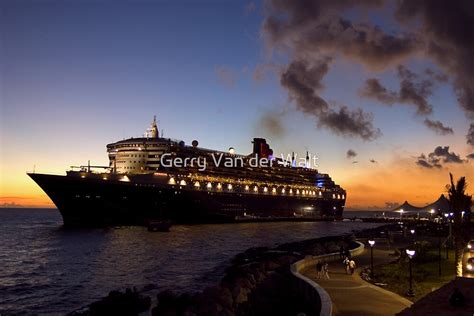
258 282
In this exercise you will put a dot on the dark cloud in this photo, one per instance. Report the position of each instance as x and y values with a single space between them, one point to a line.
373 161
271 123
349 123
447 30
443 153
355 162
438 127
351 154
437 76
470 135
414 90
303 82
439 155
427 162
442 31
470 156
373 89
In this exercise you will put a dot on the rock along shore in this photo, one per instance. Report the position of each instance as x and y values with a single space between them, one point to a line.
258 282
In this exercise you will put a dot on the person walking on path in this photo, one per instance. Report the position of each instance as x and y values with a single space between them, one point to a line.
319 269
352 266
346 265
326 271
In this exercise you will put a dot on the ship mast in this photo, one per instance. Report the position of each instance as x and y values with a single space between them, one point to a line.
152 131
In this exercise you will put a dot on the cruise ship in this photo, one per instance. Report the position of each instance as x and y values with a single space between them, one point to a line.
156 178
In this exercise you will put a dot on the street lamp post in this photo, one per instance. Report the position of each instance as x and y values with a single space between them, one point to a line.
371 243
439 249
401 215
410 254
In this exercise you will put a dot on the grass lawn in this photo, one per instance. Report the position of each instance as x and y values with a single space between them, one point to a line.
425 275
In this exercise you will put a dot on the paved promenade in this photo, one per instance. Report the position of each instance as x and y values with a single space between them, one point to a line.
351 295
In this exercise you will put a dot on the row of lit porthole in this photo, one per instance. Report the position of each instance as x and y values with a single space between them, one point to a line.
219 186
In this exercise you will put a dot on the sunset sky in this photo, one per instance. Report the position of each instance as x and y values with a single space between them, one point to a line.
382 91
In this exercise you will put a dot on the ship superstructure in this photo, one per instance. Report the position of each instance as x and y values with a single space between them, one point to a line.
155 177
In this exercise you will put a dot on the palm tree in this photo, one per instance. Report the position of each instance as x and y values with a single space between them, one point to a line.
459 203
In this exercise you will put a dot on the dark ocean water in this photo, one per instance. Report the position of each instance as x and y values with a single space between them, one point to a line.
46 269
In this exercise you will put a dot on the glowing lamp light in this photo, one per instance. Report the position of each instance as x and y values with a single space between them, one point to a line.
469 266
412 231
265 189
333 196
371 243
209 185
219 186
291 191
469 246
182 182
283 190
320 193
410 253
255 189
125 179
432 211
229 187
172 181
446 215
303 192
274 190
246 188
232 151
297 191
197 184
104 178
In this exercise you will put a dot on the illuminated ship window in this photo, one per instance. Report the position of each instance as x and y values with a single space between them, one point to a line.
303 192
172 181
338 196
219 186
182 182
297 191
83 176
333 196
265 189
291 191
343 196
246 188
209 185
283 190
255 188
320 193
274 190
197 184
229 187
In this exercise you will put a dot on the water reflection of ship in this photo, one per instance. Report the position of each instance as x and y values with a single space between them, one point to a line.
138 185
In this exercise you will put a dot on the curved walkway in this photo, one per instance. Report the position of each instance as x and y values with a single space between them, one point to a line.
350 295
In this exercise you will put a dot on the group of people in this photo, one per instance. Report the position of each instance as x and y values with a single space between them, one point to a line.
322 270
349 263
